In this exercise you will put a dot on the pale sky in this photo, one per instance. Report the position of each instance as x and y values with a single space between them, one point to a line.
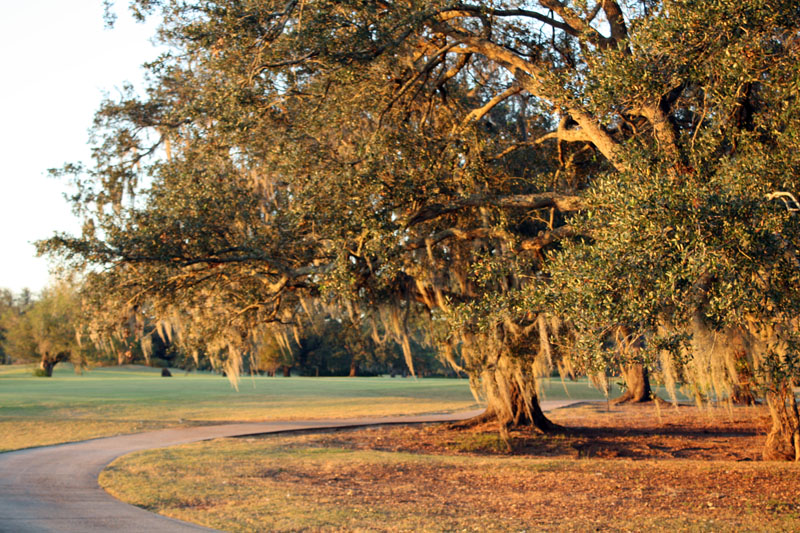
57 60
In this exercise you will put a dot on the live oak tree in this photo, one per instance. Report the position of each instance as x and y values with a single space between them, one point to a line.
424 160
285 183
47 330
7 304
693 248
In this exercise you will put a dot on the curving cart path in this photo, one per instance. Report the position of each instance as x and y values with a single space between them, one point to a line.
54 488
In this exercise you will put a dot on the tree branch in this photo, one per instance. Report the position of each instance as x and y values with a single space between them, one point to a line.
619 31
479 113
579 26
547 237
519 201
531 76
465 10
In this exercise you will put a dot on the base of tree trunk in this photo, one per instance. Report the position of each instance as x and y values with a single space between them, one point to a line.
638 386
743 396
540 421
783 440
46 368
781 446
743 390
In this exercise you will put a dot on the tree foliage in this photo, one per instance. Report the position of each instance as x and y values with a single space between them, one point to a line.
46 329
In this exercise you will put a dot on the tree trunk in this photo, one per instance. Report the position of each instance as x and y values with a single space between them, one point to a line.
49 362
743 388
783 440
637 382
517 417
287 371
46 366
521 417
743 395
353 369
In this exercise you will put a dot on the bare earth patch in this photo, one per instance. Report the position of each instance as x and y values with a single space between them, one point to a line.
595 430
624 470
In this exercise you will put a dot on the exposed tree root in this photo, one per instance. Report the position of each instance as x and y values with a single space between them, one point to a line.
541 423
487 416
628 398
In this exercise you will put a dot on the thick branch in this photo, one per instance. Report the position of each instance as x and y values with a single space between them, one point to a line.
464 10
566 134
579 26
531 76
520 201
451 233
479 113
562 134
547 237
599 137
619 31
461 62
662 128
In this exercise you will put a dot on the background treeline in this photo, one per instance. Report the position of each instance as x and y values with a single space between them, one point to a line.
48 329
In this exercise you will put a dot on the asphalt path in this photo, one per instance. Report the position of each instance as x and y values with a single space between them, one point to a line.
55 488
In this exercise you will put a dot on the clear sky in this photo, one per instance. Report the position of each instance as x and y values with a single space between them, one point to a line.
57 61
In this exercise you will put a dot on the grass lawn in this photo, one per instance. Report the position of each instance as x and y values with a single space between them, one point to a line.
630 469
115 400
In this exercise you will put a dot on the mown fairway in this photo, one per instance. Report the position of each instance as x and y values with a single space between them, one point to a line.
109 401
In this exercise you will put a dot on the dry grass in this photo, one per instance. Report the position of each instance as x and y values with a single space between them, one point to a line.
676 473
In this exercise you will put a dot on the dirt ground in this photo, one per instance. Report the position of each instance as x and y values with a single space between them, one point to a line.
628 468
613 468
592 430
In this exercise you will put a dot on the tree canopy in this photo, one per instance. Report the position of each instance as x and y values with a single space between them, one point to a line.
587 185
46 329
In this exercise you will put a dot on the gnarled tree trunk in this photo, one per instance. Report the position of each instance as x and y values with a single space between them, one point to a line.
518 409
522 416
743 387
783 440
637 382
48 362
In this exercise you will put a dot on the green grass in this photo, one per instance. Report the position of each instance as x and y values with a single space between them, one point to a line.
107 401
115 400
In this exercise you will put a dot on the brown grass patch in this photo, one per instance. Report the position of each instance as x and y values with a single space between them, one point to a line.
623 470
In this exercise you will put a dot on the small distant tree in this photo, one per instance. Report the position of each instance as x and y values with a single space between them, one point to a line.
46 330
6 306
268 355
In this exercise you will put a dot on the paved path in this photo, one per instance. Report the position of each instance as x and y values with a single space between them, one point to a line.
54 488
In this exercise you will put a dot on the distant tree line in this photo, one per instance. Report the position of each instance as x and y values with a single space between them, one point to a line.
50 328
